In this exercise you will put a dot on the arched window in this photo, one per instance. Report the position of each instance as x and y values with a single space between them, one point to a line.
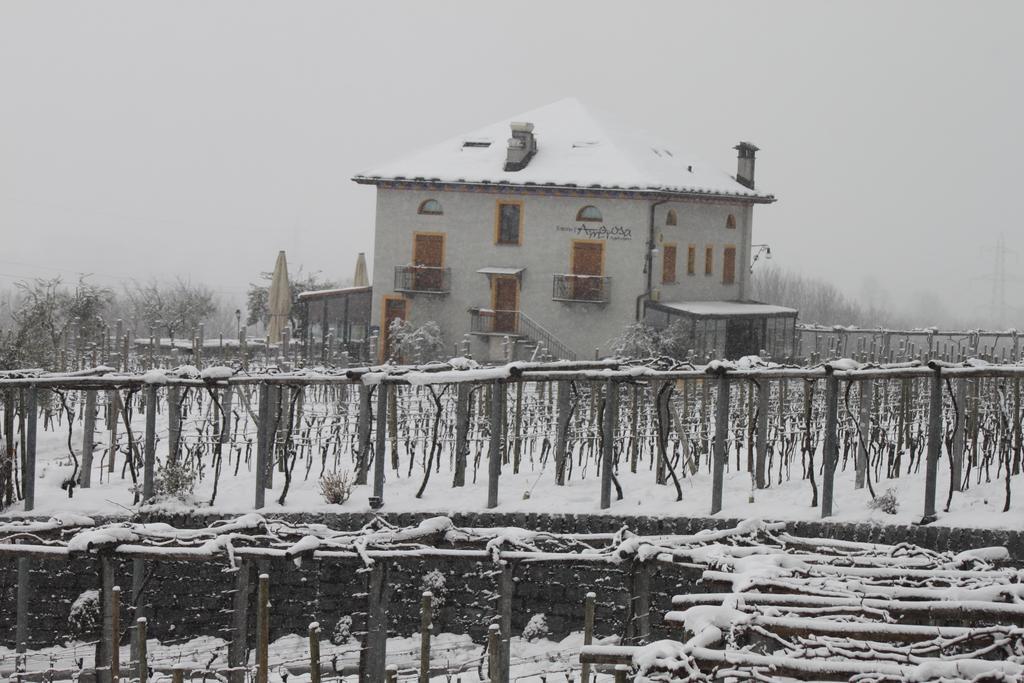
671 218
589 213
431 207
730 222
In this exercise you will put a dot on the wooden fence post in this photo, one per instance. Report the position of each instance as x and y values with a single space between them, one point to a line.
115 634
639 627
494 448
363 428
88 438
562 408
935 437
959 440
263 629
380 444
493 653
24 592
608 441
140 652
314 652
28 477
391 675
173 422
261 445
149 446
621 673
764 392
113 412
588 631
374 654
238 648
462 405
506 587
830 439
721 451
425 620
867 395
138 584
517 426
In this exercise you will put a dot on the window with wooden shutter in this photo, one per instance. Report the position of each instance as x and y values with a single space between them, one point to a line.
729 265
428 259
691 260
668 264
709 260
587 267
509 223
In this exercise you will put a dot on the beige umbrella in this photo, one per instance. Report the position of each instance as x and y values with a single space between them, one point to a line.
279 300
361 279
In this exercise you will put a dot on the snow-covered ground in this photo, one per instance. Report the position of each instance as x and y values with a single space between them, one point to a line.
533 490
450 655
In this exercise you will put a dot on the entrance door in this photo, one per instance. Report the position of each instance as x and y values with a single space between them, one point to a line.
506 304
428 258
587 259
394 309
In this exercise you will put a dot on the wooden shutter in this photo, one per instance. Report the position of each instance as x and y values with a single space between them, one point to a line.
587 259
729 266
691 260
668 264
428 257
709 260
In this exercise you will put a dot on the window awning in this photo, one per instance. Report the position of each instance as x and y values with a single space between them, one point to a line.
501 270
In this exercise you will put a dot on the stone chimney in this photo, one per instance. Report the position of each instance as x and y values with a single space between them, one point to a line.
745 164
521 147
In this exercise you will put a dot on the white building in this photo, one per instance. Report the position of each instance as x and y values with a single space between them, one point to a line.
561 226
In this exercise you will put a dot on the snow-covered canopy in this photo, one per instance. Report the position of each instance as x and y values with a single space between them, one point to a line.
576 147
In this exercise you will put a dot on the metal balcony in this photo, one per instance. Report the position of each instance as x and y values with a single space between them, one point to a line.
423 279
591 289
490 321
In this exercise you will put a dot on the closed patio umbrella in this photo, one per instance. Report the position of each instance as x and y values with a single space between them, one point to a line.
279 300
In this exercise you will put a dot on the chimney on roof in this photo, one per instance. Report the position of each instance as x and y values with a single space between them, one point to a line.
521 146
747 151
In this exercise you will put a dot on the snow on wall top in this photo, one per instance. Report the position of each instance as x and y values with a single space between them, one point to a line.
575 147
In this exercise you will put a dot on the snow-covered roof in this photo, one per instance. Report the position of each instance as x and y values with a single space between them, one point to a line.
727 308
500 270
576 147
339 291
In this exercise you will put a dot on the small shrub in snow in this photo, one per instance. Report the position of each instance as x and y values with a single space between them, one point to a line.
536 628
434 582
336 487
887 502
175 480
416 345
84 617
342 633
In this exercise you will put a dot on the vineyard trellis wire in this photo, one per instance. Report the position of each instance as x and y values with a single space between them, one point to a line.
563 421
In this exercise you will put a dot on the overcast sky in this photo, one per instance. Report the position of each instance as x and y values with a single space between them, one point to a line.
195 139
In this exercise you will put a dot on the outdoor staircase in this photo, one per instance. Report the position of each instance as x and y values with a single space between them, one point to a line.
534 342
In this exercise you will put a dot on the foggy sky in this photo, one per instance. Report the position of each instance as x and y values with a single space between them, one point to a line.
195 139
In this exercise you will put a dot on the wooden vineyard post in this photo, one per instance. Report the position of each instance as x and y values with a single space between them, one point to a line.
113 408
634 428
149 446
138 584
958 435
588 630
263 629
831 440
178 673
721 451
391 675
662 426
764 392
493 653
374 652
28 478
238 648
173 422
562 407
426 617
935 436
461 433
867 394
140 650
378 456
314 652
261 445
494 449
505 589
517 428
88 437
621 673
363 427
611 400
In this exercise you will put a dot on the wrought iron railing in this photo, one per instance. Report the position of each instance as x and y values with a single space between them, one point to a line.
490 321
585 288
423 279
551 344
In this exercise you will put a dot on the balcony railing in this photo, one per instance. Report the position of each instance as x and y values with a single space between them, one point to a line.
490 321
595 289
423 279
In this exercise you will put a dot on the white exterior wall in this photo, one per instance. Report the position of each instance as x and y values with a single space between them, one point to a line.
468 223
